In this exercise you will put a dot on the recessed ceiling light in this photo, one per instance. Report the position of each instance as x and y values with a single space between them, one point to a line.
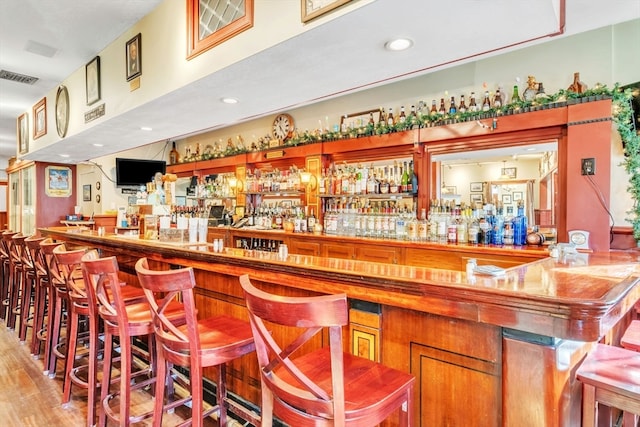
530 149
63 155
98 145
398 44
228 100
147 128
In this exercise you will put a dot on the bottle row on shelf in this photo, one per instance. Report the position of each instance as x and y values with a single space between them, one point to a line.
348 179
445 223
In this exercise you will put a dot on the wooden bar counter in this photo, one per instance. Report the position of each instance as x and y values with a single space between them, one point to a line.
485 351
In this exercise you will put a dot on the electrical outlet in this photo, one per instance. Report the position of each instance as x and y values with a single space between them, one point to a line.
589 166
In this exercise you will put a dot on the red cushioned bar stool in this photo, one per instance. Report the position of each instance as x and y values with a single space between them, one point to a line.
610 378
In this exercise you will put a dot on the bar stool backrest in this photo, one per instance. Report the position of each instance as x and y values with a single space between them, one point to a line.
162 289
311 314
69 268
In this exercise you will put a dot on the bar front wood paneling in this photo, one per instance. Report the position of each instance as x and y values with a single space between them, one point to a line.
485 352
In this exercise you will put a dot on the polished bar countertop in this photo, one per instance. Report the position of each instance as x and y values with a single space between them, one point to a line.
578 296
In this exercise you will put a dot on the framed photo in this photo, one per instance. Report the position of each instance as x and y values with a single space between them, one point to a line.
313 8
358 120
212 22
133 54
517 195
40 118
475 187
22 131
451 189
506 199
86 193
509 172
58 181
476 198
93 80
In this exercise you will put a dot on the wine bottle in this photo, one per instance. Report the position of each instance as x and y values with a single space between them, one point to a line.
462 107
486 102
404 181
174 156
390 119
452 106
515 96
472 102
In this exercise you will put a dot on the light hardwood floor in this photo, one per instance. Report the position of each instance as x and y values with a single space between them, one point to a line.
28 398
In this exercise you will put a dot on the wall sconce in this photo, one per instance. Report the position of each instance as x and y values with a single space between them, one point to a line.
309 180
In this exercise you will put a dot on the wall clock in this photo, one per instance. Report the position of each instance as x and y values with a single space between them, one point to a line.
283 127
62 111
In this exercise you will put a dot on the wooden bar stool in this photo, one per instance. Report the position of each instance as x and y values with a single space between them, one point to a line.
325 387
631 337
16 245
40 278
610 377
58 302
125 314
28 292
6 272
195 344
69 266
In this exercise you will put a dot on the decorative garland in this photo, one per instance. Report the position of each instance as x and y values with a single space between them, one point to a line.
622 116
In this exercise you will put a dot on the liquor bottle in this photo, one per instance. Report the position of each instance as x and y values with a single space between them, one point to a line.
442 110
311 221
382 120
371 121
535 238
508 227
452 106
462 107
472 102
498 227
412 116
520 226
577 86
412 185
434 109
540 93
404 181
390 120
497 99
515 96
486 102
174 156
423 226
402 117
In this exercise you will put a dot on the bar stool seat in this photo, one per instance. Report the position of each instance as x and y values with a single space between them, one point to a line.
325 387
611 377
631 337
194 344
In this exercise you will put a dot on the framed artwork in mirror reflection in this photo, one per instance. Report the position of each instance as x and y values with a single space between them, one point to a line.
475 187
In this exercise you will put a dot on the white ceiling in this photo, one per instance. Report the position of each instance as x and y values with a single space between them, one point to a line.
352 43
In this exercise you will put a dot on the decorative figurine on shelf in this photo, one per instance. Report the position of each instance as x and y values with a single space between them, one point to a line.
577 86
531 90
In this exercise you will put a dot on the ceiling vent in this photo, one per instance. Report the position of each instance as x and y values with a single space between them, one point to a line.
18 78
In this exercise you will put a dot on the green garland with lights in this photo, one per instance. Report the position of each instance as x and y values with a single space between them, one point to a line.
622 117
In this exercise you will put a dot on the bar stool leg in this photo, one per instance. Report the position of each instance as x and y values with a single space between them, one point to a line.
25 307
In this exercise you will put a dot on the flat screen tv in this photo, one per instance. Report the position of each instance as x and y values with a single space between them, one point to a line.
136 172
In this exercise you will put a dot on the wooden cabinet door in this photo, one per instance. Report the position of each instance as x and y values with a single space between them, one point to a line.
338 250
301 247
376 254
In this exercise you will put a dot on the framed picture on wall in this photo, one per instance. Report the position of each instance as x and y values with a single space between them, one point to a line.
133 53
506 199
517 195
58 181
93 80
86 193
313 8
475 198
475 187
23 133
40 118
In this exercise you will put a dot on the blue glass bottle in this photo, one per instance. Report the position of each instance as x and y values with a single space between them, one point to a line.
520 226
498 228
